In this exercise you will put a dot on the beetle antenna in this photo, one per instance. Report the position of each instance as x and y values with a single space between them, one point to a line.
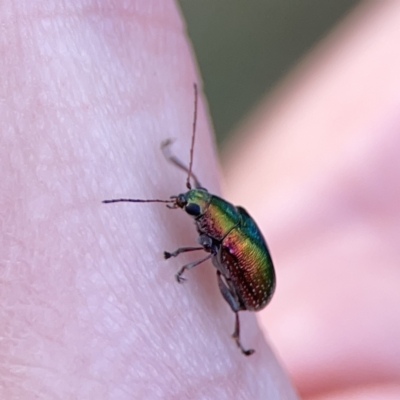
171 158
138 201
188 185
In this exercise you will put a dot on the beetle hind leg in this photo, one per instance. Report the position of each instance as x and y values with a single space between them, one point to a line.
236 337
235 305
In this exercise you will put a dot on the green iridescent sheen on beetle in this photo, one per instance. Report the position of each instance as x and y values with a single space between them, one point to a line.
249 263
231 239
217 218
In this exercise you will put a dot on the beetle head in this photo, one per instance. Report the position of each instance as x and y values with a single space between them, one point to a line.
194 201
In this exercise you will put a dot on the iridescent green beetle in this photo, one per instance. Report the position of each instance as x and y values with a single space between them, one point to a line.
234 243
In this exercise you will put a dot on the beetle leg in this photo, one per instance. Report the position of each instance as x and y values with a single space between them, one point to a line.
235 305
227 293
179 277
207 243
236 336
180 250
178 163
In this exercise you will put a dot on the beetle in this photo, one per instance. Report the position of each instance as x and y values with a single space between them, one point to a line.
229 236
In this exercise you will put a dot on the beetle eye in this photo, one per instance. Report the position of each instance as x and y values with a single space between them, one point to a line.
193 209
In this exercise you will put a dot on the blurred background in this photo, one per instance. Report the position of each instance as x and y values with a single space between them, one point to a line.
244 48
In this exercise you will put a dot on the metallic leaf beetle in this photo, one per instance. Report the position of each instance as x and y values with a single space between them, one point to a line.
229 236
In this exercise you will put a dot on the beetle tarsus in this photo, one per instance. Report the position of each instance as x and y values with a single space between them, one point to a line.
167 255
180 278
246 352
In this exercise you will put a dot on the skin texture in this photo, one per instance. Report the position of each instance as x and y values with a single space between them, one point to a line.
318 168
89 309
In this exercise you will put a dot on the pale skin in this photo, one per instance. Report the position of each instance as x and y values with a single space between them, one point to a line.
89 309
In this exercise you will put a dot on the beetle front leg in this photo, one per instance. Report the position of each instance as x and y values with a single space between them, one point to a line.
179 277
176 253
235 305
